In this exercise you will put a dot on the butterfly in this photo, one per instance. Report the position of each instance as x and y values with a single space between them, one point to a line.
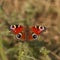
27 33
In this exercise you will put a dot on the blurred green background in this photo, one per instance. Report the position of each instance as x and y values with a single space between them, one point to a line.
30 12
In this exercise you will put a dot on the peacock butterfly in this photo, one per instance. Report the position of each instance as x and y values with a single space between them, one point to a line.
24 33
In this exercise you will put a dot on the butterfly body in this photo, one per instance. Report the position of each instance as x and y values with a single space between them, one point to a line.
26 33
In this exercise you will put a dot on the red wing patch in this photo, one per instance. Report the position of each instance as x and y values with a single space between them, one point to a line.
16 29
35 30
38 29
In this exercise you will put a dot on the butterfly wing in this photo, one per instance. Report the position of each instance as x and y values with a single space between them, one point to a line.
35 31
18 31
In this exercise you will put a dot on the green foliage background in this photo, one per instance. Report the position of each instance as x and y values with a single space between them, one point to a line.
30 12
